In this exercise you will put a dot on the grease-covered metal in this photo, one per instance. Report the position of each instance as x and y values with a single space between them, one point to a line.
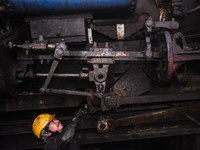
111 100
133 83
104 125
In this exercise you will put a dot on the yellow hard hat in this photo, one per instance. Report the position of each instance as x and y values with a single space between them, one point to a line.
40 122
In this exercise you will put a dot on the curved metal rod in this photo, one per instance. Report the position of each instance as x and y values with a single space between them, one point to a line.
193 10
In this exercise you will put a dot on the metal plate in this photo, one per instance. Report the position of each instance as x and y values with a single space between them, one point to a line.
72 30
133 83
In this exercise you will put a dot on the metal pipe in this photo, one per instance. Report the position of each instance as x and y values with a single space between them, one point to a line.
192 119
70 92
104 125
64 75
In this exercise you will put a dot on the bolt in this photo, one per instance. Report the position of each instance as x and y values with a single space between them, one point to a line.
175 25
58 53
125 43
42 90
149 23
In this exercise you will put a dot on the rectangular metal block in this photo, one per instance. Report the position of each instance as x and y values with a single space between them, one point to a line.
72 30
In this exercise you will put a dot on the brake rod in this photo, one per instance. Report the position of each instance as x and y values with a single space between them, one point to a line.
70 92
109 124
111 100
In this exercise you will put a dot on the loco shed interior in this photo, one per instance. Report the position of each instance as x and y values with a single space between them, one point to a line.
133 63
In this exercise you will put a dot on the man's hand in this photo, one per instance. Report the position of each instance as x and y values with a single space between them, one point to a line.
81 112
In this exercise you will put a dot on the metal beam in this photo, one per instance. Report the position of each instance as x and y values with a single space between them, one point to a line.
109 101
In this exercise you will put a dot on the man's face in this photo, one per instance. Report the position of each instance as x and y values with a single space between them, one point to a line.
55 125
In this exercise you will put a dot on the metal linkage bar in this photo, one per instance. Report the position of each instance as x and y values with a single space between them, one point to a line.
104 125
111 100
53 68
64 75
107 52
69 92
192 119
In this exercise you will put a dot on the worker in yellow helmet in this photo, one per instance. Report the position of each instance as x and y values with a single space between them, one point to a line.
55 136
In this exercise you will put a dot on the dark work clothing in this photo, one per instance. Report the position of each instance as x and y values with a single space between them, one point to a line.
64 140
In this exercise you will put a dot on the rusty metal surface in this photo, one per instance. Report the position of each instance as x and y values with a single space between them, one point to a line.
72 30
133 83
111 31
107 52
112 101
190 78
104 125
169 113
176 55
38 102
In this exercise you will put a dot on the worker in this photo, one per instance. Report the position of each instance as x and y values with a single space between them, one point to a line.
47 127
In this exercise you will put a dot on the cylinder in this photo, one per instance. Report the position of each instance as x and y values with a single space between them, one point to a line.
98 8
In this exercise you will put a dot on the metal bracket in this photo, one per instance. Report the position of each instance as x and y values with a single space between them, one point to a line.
100 65
99 75
172 25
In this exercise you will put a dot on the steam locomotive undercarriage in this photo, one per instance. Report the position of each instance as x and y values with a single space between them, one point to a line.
135 64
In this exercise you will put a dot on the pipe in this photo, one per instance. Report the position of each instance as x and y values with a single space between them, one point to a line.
63 75
105 125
